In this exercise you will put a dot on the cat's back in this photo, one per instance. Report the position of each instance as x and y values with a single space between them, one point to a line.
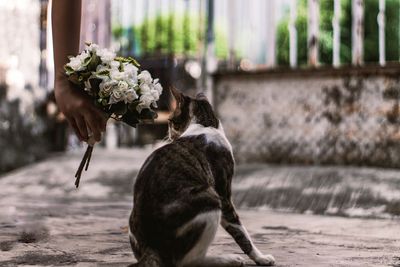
183 160
195 162
190 156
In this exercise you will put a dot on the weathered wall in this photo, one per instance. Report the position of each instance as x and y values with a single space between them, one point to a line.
346 116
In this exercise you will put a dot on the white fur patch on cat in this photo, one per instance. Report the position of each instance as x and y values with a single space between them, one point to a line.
212 219
213 135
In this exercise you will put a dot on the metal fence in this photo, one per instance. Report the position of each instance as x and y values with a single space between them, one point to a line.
253 34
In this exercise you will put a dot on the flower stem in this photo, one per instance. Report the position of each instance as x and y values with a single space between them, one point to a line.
85 161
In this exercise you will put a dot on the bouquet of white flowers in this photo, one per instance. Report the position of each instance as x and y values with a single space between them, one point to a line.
116 85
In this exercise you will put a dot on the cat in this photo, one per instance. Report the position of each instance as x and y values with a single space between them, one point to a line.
183 192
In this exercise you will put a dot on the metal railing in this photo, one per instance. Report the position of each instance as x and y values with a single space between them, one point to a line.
237 20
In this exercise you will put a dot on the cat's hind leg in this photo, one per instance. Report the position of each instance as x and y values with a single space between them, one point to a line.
205 225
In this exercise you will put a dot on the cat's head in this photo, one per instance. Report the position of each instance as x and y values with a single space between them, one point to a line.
189 110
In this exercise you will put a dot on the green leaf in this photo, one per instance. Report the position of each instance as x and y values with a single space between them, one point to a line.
94 62
68 70
85 75
128 60
147 115
122 59
132 106
87 61
74 79
134 62
95 84
130 118
102 73
104 102
119 108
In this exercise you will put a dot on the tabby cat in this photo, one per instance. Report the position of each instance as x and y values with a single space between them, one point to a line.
183 192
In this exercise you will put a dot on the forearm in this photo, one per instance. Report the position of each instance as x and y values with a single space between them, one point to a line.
66 21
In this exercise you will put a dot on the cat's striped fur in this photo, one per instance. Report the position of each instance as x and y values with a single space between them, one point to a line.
183 192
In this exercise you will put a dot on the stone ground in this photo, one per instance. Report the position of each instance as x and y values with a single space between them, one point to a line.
45 221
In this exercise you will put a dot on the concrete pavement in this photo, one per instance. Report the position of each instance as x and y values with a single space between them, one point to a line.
45 221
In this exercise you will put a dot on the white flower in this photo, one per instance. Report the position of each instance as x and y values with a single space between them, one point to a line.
130 70
101 67
114 64
149 87
128 76
145 102
77 63
145 77
155 95
116 96
105 55
82 56
123 86
158 87
144 88
92 47
102 72
130 95
106 87
115 74
132 82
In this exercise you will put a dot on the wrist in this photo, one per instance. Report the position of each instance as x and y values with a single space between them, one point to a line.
59 75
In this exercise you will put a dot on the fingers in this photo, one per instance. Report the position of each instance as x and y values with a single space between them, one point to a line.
72 122
87 120
102 118
80 123
94 125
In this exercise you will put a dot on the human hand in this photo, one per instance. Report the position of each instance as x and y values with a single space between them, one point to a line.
81 113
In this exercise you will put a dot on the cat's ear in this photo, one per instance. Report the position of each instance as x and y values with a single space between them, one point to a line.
176 98
176 94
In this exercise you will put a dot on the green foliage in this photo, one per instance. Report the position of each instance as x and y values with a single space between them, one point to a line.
176 34
283 42
326 31
345 32
371 35
283 37
371 51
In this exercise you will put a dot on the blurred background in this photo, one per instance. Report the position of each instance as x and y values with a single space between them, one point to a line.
294 82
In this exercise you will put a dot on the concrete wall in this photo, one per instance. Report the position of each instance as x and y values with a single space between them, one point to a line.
324 116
